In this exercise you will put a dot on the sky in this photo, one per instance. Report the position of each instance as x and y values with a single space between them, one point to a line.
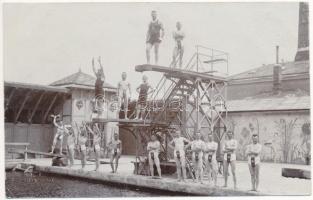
46 42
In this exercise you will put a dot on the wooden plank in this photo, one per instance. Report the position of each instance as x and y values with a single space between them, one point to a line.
22 106
179 73
36 152
17 143
49 108
36 107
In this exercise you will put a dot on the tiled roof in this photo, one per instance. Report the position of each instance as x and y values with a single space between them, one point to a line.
269 103
79 79
267 70
35 87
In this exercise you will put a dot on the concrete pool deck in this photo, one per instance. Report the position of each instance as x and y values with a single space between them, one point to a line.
271 181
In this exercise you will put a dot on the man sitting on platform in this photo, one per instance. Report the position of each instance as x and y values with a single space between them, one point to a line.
153 148
115 149
178 144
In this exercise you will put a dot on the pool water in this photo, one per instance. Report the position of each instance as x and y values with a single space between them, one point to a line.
18 185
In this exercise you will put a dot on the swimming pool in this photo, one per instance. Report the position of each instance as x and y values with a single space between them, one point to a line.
19 185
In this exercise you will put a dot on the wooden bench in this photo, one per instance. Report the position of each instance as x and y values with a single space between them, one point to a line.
25 144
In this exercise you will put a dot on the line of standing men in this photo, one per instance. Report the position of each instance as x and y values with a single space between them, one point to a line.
203 153
77 139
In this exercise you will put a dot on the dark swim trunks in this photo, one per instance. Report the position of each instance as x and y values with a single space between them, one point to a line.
154 32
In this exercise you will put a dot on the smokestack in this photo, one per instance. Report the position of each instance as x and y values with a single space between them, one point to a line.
277 76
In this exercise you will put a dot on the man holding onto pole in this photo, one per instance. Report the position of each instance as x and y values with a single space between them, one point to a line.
153 148
254 161
154 37
115 149
229 150
178 144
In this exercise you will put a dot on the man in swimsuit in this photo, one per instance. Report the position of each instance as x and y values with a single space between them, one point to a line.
124 92
178 36
99 91
95 131
115 148
197 147
178 144
154 37
254 161
210 158
153 148
82 139
71 141
229 151
59 134
144 89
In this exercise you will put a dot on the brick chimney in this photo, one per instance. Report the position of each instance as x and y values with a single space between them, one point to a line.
277 74
303 33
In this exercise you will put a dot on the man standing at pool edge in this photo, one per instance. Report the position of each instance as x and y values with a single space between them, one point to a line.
154 37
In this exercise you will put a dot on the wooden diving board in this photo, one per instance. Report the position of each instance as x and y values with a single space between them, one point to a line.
36 152
179 73
215 60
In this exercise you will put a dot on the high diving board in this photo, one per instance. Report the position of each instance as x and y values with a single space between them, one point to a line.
179 73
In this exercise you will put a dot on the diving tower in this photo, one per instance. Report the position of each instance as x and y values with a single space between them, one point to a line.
191 99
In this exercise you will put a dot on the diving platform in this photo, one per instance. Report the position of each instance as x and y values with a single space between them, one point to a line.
180 73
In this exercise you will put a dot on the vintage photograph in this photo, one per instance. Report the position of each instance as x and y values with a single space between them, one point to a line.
156 99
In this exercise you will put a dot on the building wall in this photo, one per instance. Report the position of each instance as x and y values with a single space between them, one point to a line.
240 91
283 135
39 136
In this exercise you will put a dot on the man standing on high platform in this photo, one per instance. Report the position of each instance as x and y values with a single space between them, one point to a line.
229 151
99 91
154 37
124 93
178 52
254 161
144 90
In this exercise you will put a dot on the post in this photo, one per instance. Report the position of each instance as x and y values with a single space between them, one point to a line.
25 153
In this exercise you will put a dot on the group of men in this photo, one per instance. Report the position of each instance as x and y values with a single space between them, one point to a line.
77 140
155 35
203 154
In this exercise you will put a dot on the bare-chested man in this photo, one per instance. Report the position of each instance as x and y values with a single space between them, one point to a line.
71 142
229 151
153 148
254 161
95 131
197 147
82 139
154 37
210 158
124 93
59 134
115 149
178 144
